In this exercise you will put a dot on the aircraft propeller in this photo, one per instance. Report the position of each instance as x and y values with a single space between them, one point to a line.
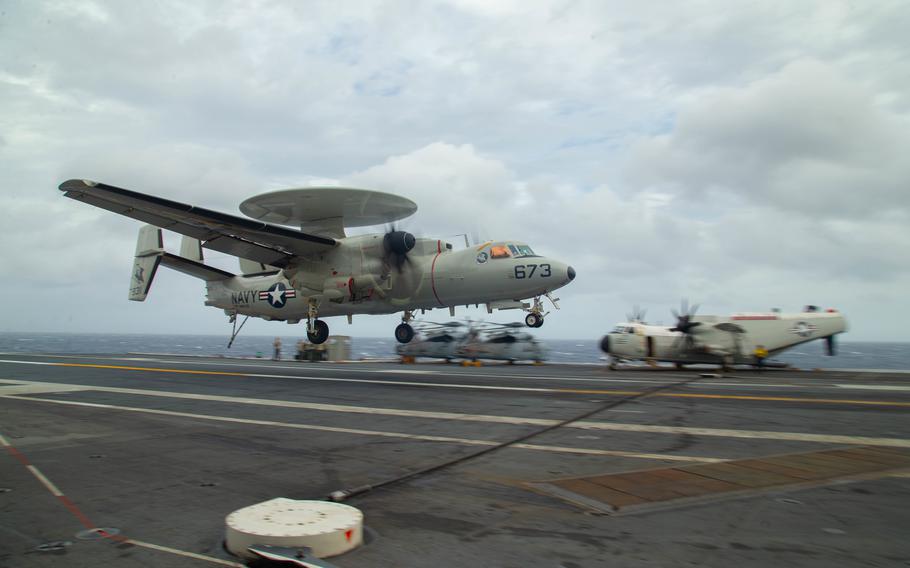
637 315
685 325
684 317
397 244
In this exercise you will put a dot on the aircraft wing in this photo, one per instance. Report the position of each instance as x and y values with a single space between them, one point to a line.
238 236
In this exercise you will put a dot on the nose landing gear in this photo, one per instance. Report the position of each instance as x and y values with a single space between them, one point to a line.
534 320
536 314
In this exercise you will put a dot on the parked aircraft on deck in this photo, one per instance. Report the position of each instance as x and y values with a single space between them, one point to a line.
471 341
722 340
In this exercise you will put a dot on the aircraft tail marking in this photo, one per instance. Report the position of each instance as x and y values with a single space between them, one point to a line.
150 254
149 248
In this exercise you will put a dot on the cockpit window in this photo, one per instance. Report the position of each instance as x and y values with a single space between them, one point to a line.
619 329
521 250
499 252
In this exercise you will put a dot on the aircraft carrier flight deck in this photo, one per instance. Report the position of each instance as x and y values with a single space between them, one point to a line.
135 460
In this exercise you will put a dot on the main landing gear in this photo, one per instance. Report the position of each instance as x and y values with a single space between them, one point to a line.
317 331
320 332
404 333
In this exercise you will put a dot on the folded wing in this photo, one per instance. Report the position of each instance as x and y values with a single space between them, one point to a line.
246 238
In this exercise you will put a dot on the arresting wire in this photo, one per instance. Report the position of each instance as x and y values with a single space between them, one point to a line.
345 494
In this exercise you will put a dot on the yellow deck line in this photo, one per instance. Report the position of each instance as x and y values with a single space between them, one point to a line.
530 389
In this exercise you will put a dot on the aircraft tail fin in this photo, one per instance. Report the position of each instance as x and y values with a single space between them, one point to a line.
150 254
191 249
149 249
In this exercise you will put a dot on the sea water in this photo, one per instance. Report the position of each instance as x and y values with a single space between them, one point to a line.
851 355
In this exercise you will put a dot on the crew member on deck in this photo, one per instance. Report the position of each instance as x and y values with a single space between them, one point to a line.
277 345
760 354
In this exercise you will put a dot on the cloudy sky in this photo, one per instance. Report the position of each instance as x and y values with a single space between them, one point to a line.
744 155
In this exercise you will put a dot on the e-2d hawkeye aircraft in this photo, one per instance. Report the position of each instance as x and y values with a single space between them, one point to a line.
317 271
720 340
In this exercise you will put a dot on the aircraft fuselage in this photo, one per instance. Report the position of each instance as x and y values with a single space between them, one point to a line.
349 280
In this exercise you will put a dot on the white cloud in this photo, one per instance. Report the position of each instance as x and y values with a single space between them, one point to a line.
804 138
741 155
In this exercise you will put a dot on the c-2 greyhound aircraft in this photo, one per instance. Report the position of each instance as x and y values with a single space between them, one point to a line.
720 340
317 271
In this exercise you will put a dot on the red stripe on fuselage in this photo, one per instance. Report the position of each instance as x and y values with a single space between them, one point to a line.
433 273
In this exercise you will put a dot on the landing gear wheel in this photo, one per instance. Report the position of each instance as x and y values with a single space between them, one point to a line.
321 333
404 333
533 320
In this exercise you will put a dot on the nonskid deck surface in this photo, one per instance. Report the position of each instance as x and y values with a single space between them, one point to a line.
159 449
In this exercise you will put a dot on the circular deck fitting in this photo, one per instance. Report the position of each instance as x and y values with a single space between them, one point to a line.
327 528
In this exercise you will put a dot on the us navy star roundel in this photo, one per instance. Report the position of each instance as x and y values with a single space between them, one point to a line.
277 295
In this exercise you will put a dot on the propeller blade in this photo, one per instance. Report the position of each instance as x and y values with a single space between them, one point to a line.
637 314
397 244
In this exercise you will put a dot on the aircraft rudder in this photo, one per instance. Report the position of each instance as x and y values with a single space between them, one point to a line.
149 248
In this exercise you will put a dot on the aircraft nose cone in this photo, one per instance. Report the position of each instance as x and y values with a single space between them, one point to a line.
570 272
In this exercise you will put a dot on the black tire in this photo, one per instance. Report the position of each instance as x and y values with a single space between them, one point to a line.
539 322
533 320
404 333
321 334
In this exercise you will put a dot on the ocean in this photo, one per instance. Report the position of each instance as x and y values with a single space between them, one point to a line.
851 355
